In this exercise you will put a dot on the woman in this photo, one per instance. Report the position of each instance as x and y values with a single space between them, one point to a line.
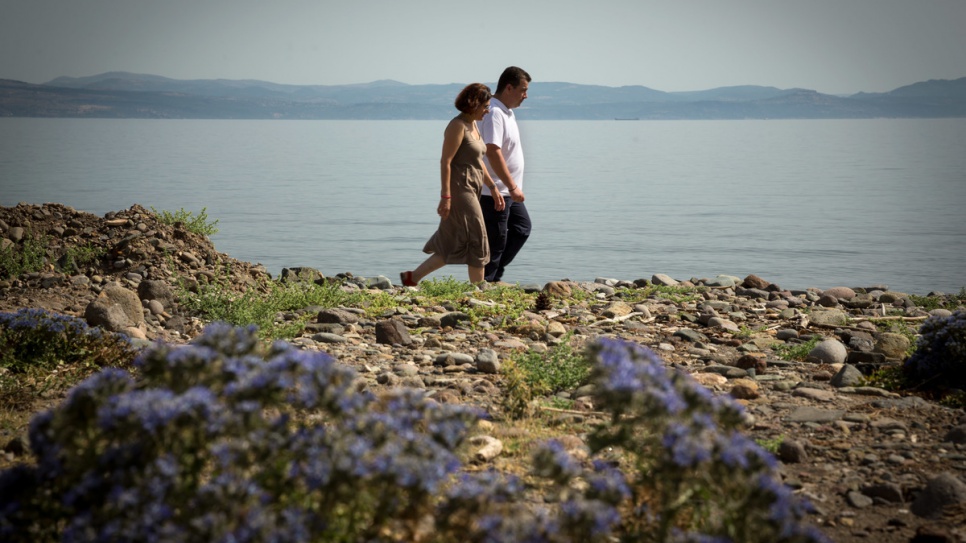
461 236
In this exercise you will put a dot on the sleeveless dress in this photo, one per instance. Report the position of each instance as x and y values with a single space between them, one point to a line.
461 237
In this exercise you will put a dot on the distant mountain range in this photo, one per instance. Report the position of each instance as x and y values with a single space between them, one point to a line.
127 95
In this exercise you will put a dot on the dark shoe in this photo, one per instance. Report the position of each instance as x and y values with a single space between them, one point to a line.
407 279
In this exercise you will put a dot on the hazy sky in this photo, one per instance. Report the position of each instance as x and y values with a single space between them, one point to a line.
832 46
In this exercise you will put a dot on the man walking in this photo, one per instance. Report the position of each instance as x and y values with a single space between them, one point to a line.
507 230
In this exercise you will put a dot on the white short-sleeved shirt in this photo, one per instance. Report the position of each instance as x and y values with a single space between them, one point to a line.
499 127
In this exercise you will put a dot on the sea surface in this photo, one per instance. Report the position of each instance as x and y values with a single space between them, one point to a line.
801 203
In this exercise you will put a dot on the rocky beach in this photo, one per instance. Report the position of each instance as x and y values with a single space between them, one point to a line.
878 465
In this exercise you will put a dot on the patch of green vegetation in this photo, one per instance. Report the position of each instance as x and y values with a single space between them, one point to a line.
217 302
927 303
30 256
199 224
79 256
445 288
798 351
771 445
557 370
955 400
517 392
890 378
556 402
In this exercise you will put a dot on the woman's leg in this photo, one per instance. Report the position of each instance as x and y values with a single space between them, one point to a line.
431 264
476 274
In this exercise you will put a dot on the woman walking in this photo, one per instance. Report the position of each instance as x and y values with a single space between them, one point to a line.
461 236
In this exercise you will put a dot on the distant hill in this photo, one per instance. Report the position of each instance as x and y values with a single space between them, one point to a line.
127 95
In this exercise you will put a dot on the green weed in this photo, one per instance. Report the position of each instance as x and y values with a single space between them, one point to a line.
797 351
558 370
30 256
77 257
199 224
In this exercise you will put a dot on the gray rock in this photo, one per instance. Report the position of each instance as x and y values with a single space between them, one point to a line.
487 361
453 318
814 414
841 293
892 345
786 334
336 315
406 370
828 301
957 434
755 293
830 351
829 317
301 274
663 280
792 452
325 337
452 359
115 308
887 492
155 307
691 335
858 500
862 342
848 376
730 372
325 327
725 324
392 332
940 492
722 281
617 309
815 394
380 282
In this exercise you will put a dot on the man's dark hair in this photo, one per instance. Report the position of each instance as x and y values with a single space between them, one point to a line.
512 76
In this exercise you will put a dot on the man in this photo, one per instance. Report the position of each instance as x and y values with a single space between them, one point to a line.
507 230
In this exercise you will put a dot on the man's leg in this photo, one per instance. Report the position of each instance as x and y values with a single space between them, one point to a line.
496 234
517 233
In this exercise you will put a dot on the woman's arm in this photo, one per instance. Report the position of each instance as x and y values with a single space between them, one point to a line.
452 138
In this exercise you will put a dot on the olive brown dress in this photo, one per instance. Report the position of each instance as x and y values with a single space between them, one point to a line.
461 237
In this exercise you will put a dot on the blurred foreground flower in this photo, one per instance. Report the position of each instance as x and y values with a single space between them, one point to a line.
227 439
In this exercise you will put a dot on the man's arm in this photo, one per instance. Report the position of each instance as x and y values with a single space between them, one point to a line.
495 156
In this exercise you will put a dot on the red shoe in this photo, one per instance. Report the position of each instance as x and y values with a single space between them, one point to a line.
407 279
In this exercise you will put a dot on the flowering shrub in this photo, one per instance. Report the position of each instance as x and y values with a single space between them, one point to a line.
35 338
940 355
227 439
693 475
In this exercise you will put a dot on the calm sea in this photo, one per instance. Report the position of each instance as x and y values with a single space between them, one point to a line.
809 203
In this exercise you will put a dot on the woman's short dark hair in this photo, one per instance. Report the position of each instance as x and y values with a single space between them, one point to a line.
512 76
472 97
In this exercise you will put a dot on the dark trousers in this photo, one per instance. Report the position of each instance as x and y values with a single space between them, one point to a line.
507 231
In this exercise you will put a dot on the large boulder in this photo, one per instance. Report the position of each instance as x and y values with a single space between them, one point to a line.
830 351
158 291
116 309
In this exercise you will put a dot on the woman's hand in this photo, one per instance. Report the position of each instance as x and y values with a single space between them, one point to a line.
498 202
443 208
